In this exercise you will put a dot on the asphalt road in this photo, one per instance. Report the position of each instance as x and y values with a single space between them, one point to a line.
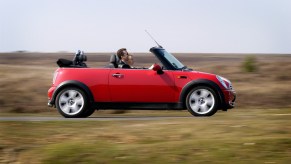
115 118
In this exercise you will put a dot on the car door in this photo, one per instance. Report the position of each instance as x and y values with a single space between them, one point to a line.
141 85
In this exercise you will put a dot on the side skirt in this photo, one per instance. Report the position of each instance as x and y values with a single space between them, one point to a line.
147 106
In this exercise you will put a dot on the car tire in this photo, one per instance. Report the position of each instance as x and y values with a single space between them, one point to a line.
89 112
202 101
72 102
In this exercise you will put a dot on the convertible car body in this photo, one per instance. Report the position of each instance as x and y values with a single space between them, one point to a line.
77 91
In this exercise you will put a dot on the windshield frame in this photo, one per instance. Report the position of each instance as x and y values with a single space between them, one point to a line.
169 61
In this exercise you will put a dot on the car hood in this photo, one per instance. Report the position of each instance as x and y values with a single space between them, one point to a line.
201 75
223 83
196 75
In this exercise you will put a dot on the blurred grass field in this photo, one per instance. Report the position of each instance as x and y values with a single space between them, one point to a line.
238 136
256 131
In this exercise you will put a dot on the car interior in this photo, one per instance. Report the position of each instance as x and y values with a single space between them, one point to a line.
77 62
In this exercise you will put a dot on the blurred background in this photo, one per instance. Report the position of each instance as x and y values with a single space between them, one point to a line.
246 41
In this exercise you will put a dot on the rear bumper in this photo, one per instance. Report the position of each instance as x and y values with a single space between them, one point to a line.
51 102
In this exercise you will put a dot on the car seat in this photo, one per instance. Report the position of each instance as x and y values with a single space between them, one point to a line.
114 60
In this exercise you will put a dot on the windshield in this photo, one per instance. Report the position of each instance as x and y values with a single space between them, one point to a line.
175 62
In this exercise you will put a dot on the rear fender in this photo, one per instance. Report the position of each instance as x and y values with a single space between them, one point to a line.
73 83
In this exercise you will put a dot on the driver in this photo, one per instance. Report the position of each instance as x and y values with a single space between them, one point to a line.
123 56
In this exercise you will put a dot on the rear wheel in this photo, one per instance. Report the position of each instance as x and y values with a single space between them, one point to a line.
202 101
73 103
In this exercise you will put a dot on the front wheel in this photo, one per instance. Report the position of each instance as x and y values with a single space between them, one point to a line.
202 101
73 103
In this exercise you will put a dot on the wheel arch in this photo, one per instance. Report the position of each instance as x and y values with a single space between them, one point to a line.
73 83
201 82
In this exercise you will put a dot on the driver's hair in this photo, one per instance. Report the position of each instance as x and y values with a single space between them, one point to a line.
120 52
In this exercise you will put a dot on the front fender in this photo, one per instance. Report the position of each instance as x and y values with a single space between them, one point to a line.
201 82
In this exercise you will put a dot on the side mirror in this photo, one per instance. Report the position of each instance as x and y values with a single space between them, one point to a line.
158 69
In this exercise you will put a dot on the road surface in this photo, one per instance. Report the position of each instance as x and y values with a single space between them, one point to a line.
103 118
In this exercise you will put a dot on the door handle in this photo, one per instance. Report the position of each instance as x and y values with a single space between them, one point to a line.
117 75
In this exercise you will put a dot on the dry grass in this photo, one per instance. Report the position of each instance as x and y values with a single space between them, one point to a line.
238 136
26 77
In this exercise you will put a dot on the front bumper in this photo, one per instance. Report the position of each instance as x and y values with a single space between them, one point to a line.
229 99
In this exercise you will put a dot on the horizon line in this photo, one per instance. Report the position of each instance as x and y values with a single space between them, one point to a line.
90 52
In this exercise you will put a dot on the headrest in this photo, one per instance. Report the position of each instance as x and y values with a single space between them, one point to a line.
114 60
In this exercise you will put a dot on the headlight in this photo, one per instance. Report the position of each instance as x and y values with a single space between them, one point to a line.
223 82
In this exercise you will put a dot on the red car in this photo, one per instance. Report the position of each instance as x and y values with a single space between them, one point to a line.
77 91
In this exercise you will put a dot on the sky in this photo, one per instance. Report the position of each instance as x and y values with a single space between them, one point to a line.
195 26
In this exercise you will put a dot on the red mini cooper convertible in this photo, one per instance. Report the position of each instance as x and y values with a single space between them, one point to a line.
77 91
